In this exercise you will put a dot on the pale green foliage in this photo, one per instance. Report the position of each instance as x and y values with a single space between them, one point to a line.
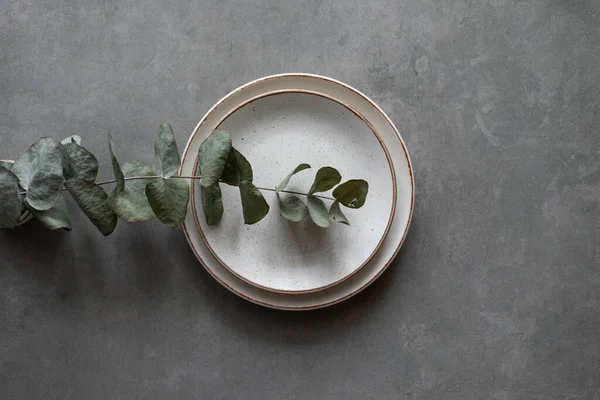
40 173
34 184
11 205
336 214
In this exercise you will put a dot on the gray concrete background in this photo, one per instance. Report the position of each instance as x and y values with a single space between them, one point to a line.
496 292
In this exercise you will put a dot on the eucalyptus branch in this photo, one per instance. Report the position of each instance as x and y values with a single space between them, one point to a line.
48 168
133 178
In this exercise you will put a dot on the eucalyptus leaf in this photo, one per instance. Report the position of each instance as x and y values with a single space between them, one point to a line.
254 206
318 211
326 178
285 182
166 159
336 214
292 207
119 177
130 203
352 193
40 173
93 200
212 203
71 139
213 155
237 169
78 162
55 218
11 205
169 199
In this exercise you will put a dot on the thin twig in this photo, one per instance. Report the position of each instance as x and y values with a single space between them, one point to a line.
132 178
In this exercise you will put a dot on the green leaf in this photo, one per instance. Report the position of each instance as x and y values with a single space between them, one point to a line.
93 200
131 203
169 199
292 208
285 182
213 155
352 193
166 159
318 211
71 139
326 178
336 214
11 205
254 205
40 173
55 218
212 203
116 167
237 169
6 164
78 162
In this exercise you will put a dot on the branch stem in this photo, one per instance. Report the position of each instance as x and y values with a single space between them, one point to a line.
132 178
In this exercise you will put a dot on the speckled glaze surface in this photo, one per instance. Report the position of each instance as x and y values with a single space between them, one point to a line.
276 133
201 241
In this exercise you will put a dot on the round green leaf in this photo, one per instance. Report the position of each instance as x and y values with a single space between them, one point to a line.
166 159
326 178
318 211
78 162
285 182
254 205
40 173
93 200
336 214
55 218
169 199
11 205
237 169
213 155
292 208
130 203
212 203
352 193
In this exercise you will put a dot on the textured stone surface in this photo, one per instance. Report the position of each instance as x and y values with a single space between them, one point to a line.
496 293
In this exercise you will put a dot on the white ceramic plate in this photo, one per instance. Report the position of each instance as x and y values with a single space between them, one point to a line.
324 88
276 133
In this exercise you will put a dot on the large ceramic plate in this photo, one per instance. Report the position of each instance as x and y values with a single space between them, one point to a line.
276 133
331 95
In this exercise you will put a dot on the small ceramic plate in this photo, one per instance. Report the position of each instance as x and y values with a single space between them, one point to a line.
276 133
299 98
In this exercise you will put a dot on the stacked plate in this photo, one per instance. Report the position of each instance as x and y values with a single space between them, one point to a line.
279 122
